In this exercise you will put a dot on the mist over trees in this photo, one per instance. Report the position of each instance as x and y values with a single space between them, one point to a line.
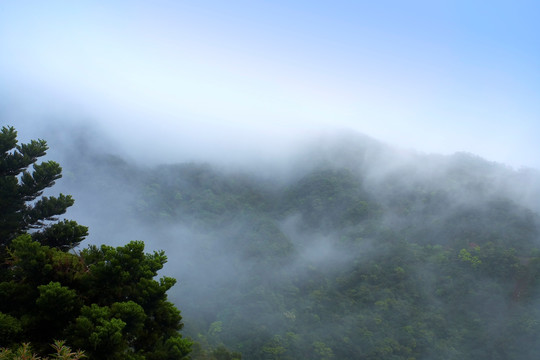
353 249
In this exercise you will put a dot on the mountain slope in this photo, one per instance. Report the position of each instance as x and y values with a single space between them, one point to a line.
363 251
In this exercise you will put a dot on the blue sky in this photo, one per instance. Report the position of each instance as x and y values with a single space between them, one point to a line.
256 76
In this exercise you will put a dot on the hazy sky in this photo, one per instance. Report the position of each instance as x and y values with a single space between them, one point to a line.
249 76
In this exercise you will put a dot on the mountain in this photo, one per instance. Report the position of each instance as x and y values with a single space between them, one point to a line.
352 250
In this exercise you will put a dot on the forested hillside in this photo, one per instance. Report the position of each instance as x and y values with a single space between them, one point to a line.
355 251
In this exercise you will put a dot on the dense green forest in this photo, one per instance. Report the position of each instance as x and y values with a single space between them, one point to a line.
354 250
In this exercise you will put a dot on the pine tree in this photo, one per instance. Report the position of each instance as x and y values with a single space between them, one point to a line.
22 206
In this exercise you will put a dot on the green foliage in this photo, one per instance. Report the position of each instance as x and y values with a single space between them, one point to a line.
62 235
466 256
218 353
64 352
24 352
99 333
104 300
10 328
22 206
329 198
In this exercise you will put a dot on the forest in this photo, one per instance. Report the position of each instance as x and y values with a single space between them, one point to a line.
353 250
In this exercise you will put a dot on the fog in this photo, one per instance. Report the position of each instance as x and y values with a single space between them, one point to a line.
281 154
169 81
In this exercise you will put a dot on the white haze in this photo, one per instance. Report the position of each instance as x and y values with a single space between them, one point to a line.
236 83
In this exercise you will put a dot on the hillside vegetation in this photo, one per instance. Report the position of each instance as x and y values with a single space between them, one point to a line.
359 251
